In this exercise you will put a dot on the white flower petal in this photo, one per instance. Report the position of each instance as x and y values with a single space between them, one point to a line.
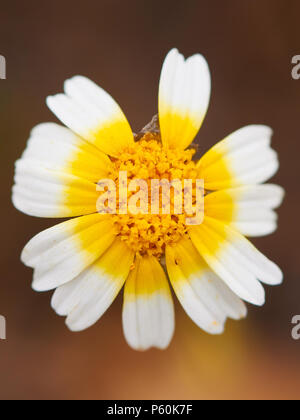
68 295
235 260
184 94
244 157
205 298
248 209
148 313
97 287
92 114
57 148
42 192
61 253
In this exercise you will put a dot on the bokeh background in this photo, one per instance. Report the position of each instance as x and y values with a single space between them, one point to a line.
121 44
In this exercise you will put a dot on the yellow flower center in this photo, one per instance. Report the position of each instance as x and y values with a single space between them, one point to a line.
148 160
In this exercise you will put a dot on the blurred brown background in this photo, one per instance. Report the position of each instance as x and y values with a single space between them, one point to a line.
120 44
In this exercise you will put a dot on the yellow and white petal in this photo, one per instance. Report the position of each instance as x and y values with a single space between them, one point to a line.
184 94
88 296
235 260
244 157
57 148
93 114
61 253
247 209
204 296
148 313
43 192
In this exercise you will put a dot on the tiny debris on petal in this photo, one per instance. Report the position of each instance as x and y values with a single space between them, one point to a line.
151 127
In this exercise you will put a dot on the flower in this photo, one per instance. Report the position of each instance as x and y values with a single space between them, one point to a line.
211 266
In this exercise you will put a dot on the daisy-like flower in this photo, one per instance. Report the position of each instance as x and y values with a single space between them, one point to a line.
212 267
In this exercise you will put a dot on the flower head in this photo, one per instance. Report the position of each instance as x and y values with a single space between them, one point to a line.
144 241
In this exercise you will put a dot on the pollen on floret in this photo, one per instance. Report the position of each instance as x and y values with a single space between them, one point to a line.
149 234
